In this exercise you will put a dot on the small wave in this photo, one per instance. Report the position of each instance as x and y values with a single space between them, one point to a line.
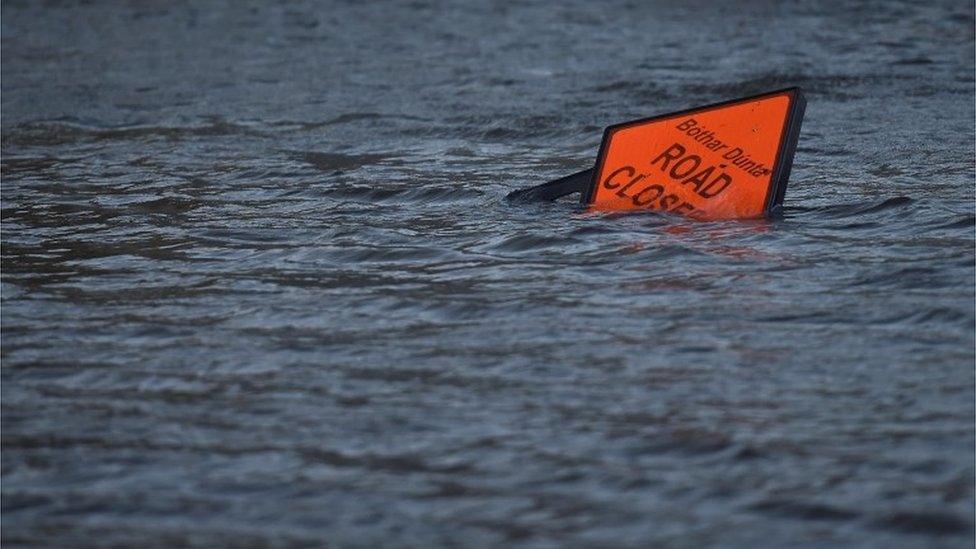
907 278
885 170
413 194
914 61
967 221
168 205
337 162
401 463
803 510
523 243
925 522
836 87
498 127
28 165
841 211
684 441
54 133
388 254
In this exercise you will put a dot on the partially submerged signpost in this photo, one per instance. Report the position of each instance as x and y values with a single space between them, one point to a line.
729 160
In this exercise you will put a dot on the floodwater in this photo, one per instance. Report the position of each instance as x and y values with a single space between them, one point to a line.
261 286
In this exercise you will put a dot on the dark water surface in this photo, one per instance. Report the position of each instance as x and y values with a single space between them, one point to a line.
260 285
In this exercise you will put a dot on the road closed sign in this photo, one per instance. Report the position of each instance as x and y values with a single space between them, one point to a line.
729 160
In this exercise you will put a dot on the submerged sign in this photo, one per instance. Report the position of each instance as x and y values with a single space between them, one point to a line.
729 160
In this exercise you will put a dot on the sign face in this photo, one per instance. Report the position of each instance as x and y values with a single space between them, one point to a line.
730 160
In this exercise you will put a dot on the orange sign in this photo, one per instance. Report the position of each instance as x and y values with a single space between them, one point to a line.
725 161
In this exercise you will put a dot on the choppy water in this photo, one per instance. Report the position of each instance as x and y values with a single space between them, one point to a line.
260 285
